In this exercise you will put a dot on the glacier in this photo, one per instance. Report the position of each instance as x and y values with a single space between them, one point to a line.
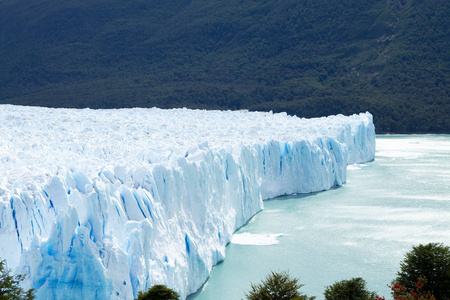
101 204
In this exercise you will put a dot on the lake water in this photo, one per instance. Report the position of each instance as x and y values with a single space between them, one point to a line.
362 229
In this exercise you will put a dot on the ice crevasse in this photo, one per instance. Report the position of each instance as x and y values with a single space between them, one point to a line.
101 204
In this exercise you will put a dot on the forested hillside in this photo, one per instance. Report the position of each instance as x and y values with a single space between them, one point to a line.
306 57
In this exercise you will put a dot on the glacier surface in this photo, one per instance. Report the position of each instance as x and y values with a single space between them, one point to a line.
101 204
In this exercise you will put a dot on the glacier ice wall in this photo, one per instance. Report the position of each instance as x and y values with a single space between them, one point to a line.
101 204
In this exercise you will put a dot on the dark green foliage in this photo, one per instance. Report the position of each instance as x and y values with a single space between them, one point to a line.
10 286
308 58
158 292
431 261
277 286
353 289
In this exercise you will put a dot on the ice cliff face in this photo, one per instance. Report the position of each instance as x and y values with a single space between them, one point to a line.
100 204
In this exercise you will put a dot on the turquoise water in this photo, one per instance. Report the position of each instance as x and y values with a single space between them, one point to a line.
362 229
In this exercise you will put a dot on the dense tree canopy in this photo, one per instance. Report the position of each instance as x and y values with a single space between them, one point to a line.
308 58
352 289
158 292
277 286
431 262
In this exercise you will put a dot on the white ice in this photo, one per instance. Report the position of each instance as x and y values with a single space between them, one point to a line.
101 204
255 239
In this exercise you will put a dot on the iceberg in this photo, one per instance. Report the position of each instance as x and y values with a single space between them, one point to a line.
101 204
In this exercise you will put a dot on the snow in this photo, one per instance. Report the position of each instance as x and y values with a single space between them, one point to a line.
101 204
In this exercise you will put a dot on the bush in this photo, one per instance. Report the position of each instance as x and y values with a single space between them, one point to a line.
353 289
9 285
430 262
399 292
277 286
158 292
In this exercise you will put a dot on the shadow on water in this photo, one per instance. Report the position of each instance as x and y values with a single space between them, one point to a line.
299 196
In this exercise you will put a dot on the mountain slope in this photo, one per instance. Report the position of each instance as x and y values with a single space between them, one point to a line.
309 58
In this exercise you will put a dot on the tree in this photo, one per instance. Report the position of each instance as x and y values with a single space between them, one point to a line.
431 262
277 286
9 285
158 292
353 289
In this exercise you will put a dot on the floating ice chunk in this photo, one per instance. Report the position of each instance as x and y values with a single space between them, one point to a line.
256 239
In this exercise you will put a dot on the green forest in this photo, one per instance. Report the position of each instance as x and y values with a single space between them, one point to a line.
308 58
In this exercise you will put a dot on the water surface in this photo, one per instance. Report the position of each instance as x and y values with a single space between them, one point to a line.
362 229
